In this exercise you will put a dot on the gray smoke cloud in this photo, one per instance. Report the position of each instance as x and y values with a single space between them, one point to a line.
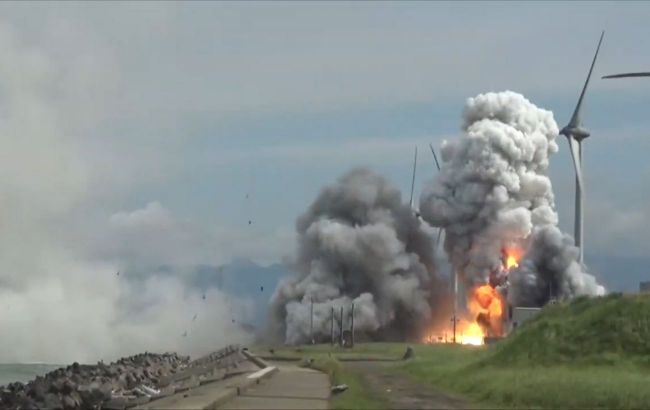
358 243
493 193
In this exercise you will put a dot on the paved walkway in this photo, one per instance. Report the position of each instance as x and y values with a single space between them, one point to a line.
205 396
292 387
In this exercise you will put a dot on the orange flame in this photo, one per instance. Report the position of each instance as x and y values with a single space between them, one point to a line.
486 307
512 256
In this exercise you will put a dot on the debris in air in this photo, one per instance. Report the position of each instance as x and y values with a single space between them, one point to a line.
194 318
185 334
339 388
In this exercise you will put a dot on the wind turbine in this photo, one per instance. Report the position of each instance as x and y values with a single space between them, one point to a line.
415 163
435 158
575 134
626 75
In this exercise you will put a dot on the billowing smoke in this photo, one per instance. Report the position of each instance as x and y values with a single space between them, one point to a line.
493 194
59 301
359 243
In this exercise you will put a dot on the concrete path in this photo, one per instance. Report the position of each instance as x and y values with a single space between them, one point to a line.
206 396
290 388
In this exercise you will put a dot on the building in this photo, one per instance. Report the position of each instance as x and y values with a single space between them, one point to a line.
518 315
644 287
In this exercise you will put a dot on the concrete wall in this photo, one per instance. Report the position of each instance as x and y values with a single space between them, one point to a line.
519 315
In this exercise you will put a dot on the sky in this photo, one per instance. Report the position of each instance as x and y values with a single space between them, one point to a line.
144 134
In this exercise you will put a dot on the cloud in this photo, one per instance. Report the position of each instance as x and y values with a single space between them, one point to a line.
146 238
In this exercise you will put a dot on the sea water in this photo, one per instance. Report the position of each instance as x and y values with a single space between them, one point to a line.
23 372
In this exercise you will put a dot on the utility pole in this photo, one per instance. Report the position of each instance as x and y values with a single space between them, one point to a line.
341 328
311 321
454 319
332 326
352 327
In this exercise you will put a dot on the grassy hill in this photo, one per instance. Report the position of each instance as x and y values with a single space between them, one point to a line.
586 330
588 353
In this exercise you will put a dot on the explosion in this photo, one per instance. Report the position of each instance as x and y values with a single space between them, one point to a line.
358 242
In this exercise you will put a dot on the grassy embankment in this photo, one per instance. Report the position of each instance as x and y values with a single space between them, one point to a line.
590 353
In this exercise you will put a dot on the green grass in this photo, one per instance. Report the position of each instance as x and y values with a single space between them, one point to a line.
588 353
357 396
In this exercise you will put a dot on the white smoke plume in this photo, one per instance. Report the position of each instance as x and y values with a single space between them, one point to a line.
359 243
59 303
493 193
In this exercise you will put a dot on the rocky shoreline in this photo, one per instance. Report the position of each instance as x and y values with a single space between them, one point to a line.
124 383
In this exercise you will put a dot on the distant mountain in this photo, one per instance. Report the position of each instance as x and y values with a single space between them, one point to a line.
243 278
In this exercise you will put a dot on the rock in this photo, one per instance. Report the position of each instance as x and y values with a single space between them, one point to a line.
68 402
37 390
56 386
409 353
117 403
51 401
339 388
68 387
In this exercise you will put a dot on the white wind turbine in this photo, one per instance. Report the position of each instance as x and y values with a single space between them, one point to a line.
575 134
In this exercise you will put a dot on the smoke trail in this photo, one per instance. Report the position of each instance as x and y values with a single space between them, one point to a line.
359 243
493 193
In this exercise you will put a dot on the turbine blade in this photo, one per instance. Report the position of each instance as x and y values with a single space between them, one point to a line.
575 155
575 119
435 157
415 161
624 75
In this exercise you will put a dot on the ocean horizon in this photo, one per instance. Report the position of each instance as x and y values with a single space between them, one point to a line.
24 372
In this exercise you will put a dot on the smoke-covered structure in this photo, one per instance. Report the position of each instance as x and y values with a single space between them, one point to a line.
493 194
359 243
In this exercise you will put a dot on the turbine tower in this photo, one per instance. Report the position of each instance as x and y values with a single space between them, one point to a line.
575 134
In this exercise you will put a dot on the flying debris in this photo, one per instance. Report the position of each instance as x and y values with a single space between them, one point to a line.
118 273
627 75
575 133
233 320
249 222
261 288
246 196
184 334
203 297
194 318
